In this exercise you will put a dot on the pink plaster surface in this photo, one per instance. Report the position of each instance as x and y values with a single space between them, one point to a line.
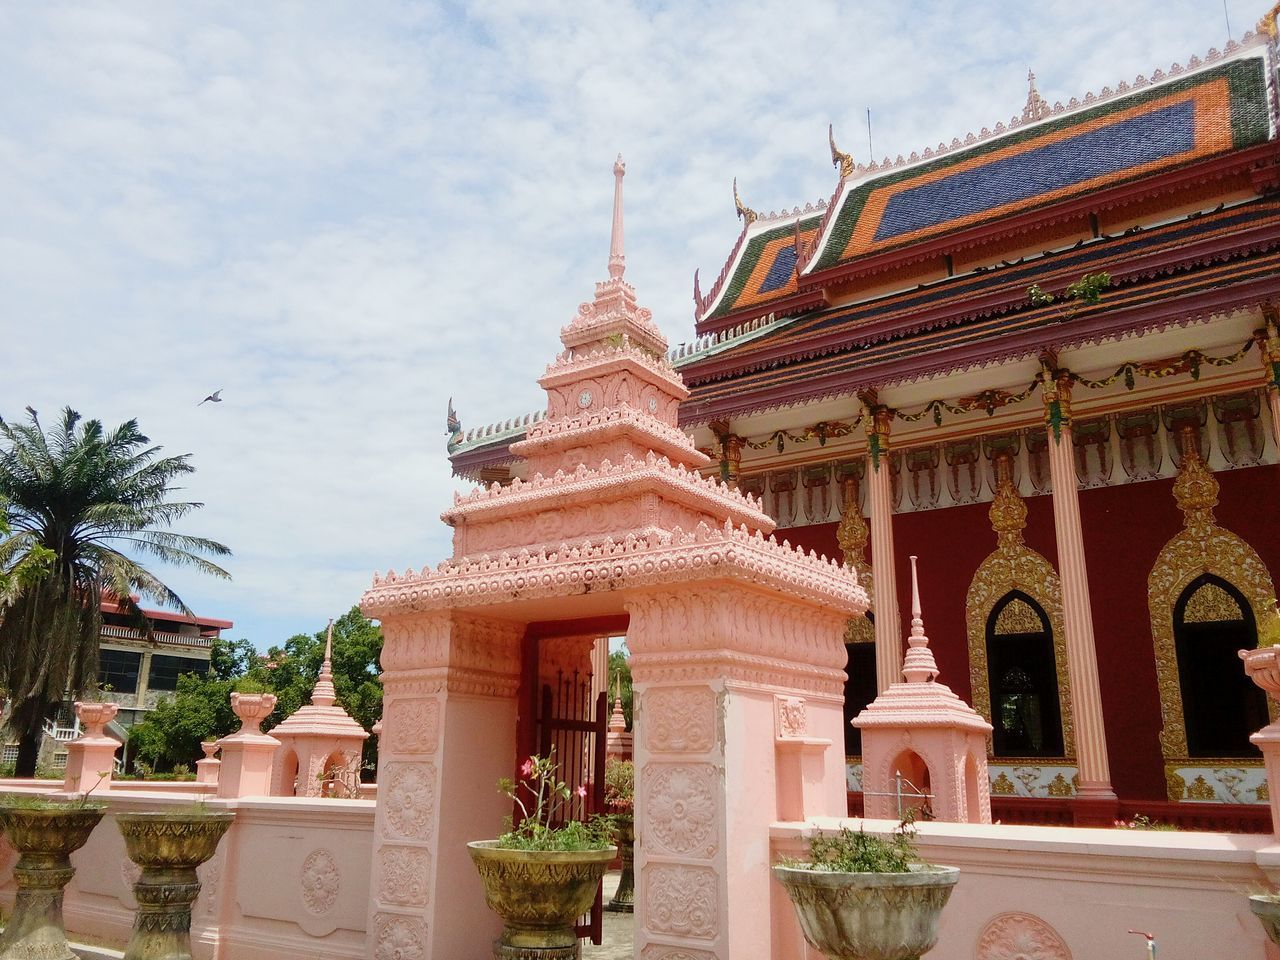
1086 887
248 754
1263 667
921 725
91 756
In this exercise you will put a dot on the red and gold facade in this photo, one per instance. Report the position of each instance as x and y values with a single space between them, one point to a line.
1090 483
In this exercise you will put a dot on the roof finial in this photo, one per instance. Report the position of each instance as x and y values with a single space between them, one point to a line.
617 261
919 665
1036 107
838 157
745 212
324 694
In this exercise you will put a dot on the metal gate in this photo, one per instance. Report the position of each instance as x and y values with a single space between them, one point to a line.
575 730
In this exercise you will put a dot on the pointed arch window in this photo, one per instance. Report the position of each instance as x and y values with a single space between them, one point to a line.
1221 706
1023 678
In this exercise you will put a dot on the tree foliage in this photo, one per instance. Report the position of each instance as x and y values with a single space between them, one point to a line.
95 499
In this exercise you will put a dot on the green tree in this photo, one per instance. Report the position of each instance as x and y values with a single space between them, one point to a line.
25 567
84 494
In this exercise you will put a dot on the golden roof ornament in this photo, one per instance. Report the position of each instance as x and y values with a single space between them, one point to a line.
838 157
1036 108
745 212
1008 513
1267 25
852 533
1196 489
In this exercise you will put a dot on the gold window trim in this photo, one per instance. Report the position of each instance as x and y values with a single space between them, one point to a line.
1200 547
1014 566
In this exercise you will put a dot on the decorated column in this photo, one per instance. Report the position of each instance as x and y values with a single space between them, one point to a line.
248 755
1263 667
1269 345
1082 658
888 623
91 756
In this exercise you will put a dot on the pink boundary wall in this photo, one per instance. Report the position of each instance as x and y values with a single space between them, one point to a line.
1072 893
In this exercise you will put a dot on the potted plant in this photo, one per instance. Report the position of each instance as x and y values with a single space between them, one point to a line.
44 832
168 846
619 801
860 896
1266 907
539 877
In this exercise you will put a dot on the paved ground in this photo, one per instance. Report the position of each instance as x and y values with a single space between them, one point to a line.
617 943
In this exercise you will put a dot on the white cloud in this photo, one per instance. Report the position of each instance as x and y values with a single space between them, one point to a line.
343 215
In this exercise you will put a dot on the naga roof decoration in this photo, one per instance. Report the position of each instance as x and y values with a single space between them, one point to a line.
1045 156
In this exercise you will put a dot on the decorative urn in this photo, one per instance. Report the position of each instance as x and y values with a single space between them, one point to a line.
168 847
1266 907
538 894
623 900
45 835
869 916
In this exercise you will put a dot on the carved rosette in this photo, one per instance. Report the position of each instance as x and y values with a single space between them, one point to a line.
320 881
410 800
683 900
679 719
791 718
1015 566
1018 936
399 938
680 808
1200 547
404 876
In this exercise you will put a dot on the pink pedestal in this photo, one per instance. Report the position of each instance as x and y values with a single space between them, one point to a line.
1263 668
91 756
248 754
207 769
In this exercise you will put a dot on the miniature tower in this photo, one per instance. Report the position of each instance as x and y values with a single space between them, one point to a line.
618 739
922 731
320 744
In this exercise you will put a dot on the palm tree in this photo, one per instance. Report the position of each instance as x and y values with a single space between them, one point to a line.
86 495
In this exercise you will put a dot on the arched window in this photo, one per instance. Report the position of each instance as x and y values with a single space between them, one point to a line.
1023 678
1221 706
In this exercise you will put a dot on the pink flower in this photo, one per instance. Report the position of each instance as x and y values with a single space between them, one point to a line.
582 791
526 769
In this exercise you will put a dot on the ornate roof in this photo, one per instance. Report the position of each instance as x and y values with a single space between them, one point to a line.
1044 157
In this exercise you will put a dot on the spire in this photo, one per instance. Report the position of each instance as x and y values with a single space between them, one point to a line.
324 695
617 260
919 666
1036 108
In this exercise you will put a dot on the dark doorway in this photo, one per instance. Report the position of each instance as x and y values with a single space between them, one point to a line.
1023 678
859 691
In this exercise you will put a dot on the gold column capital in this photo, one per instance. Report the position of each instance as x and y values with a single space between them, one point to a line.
1055 390
879 421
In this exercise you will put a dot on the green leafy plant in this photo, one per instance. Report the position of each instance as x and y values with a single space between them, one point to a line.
1140 821
619 785
856 851
1085 292
545 800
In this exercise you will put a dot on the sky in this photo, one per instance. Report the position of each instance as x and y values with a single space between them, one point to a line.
343 214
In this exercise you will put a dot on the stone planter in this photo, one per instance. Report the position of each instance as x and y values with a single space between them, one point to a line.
45 838
1266 907
624 897
869 916
538 895
168 847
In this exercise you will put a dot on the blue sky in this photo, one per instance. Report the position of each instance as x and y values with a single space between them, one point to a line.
343 214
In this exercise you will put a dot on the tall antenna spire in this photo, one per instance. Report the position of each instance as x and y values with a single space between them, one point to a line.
324 694
617 260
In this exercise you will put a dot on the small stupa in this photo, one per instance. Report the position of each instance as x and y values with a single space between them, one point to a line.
320 744
920 730
618 739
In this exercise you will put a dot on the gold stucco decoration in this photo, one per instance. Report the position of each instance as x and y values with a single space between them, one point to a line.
1262 792
1201 547
1200 789
852 536
1211 604
1002 785
1015 566
1060 787
1016 616
1174 783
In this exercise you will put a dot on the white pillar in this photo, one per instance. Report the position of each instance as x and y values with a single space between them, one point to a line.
888 622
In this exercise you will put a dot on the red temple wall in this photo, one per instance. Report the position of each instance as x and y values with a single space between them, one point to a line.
1125 527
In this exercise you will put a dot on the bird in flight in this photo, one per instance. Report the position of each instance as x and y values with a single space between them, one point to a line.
214 397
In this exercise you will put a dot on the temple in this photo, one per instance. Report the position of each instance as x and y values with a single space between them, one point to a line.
1045 357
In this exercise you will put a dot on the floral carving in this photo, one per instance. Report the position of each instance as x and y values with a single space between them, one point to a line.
1020 936
400 938
656 951
413 725
679 720
320 881
681 807
410 800
792 717
682 900
404 876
